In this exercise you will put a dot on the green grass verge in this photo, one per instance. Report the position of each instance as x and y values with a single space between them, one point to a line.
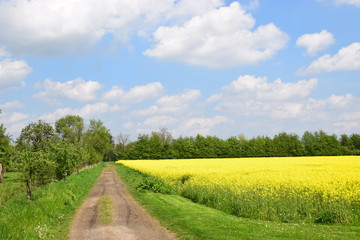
105 215
191 221
10 186
49 214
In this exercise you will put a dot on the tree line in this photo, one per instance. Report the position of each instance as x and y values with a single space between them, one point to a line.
44 153
160 145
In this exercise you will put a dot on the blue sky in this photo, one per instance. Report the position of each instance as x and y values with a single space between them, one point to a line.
210 67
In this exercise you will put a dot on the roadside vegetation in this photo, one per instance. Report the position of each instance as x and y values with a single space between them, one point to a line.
49 213
11 186
191 221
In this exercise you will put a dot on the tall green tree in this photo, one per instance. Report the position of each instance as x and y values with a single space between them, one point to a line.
37 136
70 128
5 150
287 145
67 159
355 143
184 147
33 157
99 141
321 144
37 169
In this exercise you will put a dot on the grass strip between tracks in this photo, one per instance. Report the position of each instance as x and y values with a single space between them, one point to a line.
105 210
191 221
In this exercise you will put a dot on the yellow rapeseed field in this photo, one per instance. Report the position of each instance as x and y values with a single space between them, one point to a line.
336 176
322 184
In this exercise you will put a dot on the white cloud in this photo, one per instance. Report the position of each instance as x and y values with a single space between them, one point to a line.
134 95
86 111
55 27
315 42
13 121
220 38
202 126
157 122
171 104
252 96
259 106
261 89
331 102
355 3
4 53
13 72
185 126
349 2
351 116
11 105
77 89
348 58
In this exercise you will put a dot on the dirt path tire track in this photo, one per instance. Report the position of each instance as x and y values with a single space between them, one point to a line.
130 221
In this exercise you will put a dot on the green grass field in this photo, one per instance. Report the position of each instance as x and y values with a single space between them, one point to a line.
191 221
10 186
49 214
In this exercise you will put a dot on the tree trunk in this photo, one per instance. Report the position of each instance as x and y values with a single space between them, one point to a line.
1 173
29 189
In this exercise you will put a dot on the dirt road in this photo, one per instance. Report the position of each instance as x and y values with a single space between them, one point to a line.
130 221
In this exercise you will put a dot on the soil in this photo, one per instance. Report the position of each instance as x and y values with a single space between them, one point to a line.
130 221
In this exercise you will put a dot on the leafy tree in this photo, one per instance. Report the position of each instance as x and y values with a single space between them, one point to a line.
287 145
235 147
345 143
67 159
355 143
184 148
98 141
70 128
259 147
156 146
36 136
37 169
321 144
141 148
5 149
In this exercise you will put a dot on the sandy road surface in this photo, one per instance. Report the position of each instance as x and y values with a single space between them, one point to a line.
130 221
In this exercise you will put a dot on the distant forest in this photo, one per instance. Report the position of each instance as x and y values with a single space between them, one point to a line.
161 145
70 145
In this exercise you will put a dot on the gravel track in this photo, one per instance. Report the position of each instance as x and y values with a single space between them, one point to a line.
130 221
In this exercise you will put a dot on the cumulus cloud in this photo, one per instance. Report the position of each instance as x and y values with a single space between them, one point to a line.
316 41
349 2
221 38
13 72
13 121
348 58
55 27
185 126
160 121
355 3
202 126
134 95
77 89
254 100
86 111
11 105
171 104
252 96
261 89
